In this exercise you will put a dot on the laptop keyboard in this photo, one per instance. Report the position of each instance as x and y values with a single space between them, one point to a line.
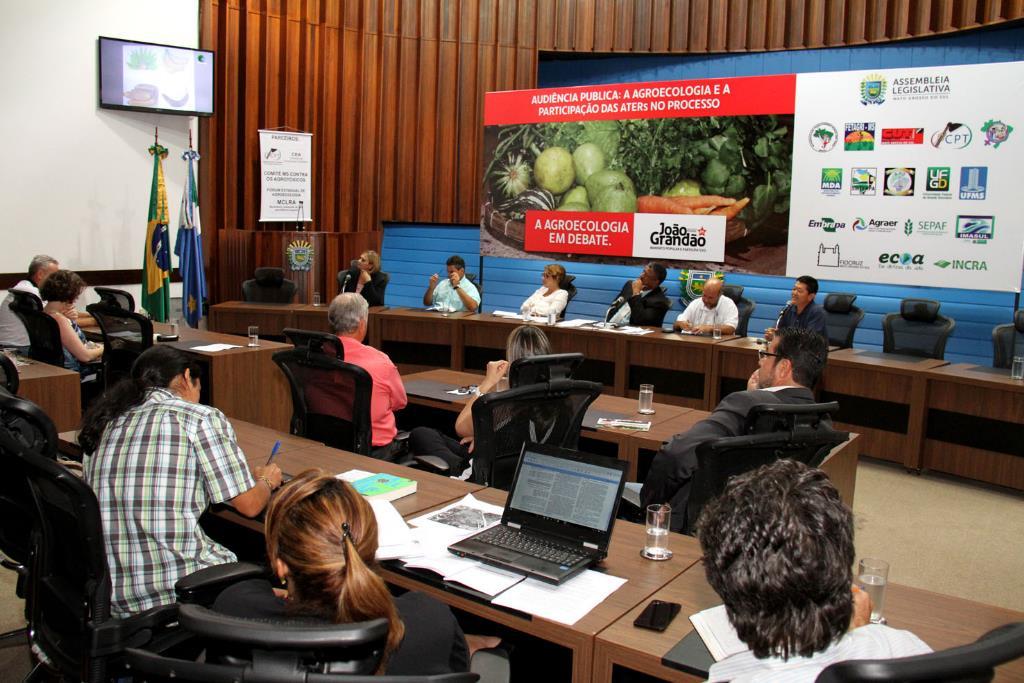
511 539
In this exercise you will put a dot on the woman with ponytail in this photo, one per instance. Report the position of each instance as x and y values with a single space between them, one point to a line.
156 459
321 540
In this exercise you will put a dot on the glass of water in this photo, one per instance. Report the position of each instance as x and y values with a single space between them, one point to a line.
316 298
716 331
254 335
646 406
656 544
1017 369
872 577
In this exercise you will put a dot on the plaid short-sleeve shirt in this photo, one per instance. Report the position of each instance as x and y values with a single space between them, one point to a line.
155 471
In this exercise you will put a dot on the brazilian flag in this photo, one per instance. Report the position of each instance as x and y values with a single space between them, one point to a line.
156 262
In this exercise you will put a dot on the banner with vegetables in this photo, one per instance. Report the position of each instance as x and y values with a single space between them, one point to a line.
907 176
691 173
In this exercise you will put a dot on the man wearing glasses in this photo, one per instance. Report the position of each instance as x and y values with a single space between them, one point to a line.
787 372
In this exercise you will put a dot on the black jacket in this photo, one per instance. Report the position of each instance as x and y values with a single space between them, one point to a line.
373 291
644 310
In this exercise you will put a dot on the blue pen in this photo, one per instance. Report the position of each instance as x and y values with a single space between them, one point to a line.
273 451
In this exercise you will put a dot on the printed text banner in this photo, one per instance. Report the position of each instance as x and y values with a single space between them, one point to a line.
285 177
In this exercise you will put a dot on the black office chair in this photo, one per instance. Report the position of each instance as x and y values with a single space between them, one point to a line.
116 297
534 369
744 306
125 336
568 286
1004 341
970 663
917 330
9 374
549 413
479 285
330 399
43 330
269 286
27 424
323 342
70 626
342 274
841 318
773 431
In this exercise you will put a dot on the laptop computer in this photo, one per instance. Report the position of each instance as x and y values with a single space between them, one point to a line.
558 517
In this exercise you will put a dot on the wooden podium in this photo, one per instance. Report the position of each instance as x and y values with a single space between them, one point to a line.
303 256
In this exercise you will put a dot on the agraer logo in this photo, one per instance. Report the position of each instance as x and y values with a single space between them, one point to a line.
973 182
978 229
831 181
902 136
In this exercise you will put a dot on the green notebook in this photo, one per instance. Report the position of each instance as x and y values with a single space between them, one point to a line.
385 486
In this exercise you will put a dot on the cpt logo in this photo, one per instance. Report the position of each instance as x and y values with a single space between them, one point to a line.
973 182
954 136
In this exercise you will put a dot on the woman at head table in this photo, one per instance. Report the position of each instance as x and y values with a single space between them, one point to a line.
60 291
321 539
523 342
367 279
550 296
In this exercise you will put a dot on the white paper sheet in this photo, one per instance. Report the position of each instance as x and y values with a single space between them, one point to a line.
567 603
394 538
717 632
353 476
211 348
575 322
465 516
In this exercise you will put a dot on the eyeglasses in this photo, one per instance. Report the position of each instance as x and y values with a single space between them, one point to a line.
762 354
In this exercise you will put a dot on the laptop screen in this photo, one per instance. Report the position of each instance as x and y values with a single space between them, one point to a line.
566 490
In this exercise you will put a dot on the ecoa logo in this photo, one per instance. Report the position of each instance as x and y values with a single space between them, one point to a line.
826 224
957 264
904 261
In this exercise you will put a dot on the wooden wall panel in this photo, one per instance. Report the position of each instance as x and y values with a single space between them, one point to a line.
392 90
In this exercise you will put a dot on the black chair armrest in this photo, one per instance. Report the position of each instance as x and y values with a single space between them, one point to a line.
112 636
431 463
203 586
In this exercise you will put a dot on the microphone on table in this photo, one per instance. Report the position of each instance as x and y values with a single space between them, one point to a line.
300 218
789 305
615 305
344 283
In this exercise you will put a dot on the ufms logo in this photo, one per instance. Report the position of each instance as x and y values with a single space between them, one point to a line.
831 181
904 261
973 182
978 229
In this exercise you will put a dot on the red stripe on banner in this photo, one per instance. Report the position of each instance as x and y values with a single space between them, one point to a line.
664 99
579 232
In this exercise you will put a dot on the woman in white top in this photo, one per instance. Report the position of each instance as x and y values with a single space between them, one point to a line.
551 296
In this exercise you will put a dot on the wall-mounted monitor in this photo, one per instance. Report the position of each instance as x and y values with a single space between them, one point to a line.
151 77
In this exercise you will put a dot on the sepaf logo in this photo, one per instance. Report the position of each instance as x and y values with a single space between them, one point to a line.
978 229
862 181
898 261
953 136
872 89
831 181
899 182
996 132
826 224
902 136
958 264
973 182
823 137
860 137
931 228
937 184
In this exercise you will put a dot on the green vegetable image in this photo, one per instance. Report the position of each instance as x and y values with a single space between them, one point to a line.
142 58
603 180
619 199
514 176
587 159
554 170
574 206
577 195
684 188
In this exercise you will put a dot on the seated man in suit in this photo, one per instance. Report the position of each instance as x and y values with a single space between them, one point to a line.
642 301
786 373
800 310
778 550
456 292
348 315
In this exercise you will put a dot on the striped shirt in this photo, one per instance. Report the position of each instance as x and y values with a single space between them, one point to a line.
156 470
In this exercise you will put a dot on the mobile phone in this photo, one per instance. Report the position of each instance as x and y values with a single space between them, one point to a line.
657 615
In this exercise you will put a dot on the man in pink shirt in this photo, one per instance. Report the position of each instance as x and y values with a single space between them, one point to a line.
348 318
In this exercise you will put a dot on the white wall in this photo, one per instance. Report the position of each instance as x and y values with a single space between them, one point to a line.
75 178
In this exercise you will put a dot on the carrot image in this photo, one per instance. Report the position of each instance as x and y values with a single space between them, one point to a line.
654 204
702 201
731 211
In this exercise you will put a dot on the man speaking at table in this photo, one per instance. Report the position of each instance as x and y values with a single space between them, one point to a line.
800 310
457 292
786 373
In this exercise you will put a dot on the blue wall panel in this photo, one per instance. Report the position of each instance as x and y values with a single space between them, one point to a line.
975 312
412 252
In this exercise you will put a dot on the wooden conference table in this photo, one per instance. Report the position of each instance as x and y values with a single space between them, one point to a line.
54 389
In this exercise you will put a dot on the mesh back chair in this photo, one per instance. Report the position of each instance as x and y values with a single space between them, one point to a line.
774 431
478 284
269 286
970 663
744 306
570 288
330 399
917 330
27 424
43 330
841 318
9 379
125 336
116 297
550 413
1005 339
323 342
534 369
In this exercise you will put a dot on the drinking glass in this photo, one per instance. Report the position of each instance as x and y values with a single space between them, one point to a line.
646 406
316 298
656 544
716 331
445 309
1017 371
872 577
254 335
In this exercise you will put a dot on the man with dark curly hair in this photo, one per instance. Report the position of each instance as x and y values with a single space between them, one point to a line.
778 550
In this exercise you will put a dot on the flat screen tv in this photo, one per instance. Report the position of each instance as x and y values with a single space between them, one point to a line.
151 77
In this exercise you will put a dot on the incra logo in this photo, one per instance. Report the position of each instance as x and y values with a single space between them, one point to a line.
957 264
902 136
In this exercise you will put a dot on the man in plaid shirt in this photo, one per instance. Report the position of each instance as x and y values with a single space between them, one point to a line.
156 459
